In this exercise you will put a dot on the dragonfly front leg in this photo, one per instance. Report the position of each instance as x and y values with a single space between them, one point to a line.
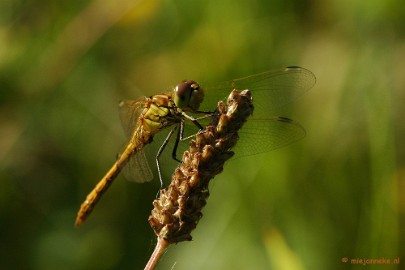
194 120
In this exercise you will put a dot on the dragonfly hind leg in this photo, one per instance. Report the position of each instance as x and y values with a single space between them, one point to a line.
159 153
179 136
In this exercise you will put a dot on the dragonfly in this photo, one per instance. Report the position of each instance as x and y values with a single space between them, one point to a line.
190 104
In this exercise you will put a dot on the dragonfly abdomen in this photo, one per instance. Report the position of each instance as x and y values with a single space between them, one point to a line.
93 197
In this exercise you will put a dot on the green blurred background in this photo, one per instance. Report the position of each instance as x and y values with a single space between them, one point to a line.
64 65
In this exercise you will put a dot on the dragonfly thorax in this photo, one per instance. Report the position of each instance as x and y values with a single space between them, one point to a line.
188 95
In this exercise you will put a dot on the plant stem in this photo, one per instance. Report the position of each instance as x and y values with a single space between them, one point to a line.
160 248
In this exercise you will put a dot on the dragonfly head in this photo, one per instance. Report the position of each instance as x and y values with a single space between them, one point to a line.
188 95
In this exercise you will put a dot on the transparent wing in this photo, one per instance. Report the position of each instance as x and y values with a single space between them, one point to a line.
264 135
257 136
270 90
137 169
129 111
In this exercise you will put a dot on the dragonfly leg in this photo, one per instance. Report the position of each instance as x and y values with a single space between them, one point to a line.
194 120
159 153
204 112
180 132
179 137
206 115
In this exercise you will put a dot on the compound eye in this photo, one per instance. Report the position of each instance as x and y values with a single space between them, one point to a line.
184 93
181 91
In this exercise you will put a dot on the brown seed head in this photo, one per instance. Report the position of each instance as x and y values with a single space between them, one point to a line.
178 209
